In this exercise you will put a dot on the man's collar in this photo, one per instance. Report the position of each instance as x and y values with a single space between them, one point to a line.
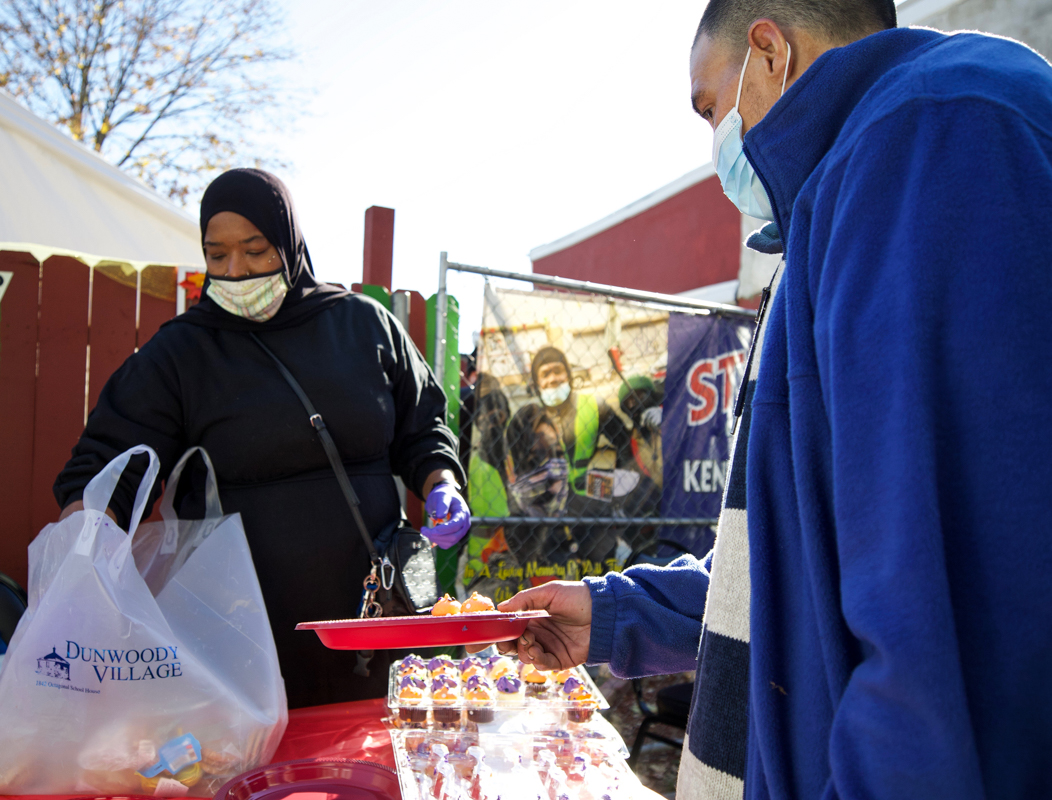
787 145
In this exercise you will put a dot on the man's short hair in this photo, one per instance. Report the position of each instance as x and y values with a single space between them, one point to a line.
838 21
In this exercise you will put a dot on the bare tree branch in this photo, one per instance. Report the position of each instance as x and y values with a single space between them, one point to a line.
170 90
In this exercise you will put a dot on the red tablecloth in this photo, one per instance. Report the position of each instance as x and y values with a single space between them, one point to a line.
342 730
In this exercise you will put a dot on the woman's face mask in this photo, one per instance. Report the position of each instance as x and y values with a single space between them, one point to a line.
254 297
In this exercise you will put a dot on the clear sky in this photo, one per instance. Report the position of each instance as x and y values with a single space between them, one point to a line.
490 126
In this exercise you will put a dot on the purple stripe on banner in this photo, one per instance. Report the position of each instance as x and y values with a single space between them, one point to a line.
706 361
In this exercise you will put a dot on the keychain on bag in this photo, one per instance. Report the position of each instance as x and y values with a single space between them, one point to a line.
369 608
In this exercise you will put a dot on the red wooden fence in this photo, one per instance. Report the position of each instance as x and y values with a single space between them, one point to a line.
18 356
53 365
64 329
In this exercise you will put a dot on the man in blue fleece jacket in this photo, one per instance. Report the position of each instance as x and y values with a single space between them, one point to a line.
882 627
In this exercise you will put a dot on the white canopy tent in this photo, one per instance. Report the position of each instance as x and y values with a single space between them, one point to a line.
64 331
61 198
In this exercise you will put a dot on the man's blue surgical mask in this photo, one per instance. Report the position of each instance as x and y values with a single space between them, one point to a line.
737 176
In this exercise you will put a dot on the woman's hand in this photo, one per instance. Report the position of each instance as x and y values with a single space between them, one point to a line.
448 512
72 508
561 640
78 505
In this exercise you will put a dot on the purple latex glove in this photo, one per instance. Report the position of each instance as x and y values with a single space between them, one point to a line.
444 501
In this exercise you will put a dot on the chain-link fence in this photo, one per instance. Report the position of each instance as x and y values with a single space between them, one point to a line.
562 417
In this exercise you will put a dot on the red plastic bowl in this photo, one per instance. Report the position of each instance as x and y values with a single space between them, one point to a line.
389 633
314 779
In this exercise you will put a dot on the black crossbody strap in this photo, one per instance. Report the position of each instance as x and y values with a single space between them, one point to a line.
318 424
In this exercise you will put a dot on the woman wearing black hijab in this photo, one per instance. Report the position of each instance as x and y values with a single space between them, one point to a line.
203 380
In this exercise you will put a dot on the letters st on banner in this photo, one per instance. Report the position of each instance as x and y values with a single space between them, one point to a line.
566 423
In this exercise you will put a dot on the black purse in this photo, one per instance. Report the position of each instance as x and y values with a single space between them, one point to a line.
414 588
403 580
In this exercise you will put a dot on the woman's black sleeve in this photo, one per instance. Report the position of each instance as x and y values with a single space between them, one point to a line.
422 442
140 404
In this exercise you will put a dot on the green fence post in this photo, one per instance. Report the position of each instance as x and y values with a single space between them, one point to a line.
449 379
378 293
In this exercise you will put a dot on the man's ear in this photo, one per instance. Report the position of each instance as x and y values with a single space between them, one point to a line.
768 44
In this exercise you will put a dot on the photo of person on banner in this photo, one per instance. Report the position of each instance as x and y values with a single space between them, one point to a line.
641 398
582 418
487 468
571 400
486 565
538 483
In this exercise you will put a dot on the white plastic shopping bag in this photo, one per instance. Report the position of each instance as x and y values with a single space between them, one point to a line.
145 663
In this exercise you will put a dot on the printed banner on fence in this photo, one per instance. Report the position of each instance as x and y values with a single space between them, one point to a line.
706 363
564 423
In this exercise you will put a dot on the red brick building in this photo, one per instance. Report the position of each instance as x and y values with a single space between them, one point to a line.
685 238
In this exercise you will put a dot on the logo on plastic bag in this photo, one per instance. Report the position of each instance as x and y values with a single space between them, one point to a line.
145 664
53 666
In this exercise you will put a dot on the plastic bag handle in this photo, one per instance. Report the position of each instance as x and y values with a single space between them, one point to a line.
213 507
100 490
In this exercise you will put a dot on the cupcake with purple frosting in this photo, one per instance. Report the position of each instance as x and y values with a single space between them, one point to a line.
411 665
509 690
497 668
442 680
444 696
580 700
471 666
478 695
441 665
570 685
412 680
410 695
410 662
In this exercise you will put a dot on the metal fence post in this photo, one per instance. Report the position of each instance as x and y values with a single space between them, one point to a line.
440 317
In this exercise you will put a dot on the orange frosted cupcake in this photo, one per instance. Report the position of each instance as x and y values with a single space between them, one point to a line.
501 667
446 606
560 676
477 604
536 680
582 707
479 699
582 704
443 698
409 697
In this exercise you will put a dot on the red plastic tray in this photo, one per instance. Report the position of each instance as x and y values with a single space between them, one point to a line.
314 779
390 633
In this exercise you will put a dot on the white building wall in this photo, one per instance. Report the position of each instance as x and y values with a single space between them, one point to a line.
1027 21
756 269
